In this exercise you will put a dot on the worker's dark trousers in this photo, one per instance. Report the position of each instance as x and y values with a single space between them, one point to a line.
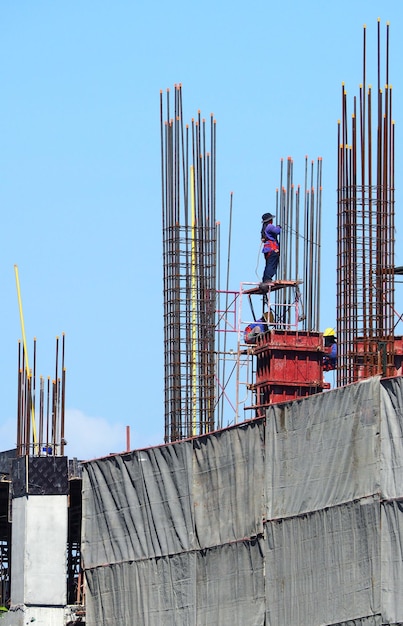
270 269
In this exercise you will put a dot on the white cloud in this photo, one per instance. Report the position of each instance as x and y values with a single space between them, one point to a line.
91 437
87 437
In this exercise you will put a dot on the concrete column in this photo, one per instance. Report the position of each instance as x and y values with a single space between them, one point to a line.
39 542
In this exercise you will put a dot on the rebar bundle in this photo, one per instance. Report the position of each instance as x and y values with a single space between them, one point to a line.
300 237
188 167
41 432
365 254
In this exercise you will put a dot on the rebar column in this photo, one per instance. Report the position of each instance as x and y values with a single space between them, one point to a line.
365 246
188 168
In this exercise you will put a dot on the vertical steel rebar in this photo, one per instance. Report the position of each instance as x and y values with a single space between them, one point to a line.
189 278
27 402
365 257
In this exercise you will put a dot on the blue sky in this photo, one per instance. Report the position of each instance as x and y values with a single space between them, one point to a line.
80 185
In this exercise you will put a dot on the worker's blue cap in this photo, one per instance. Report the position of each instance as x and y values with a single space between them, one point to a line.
267 216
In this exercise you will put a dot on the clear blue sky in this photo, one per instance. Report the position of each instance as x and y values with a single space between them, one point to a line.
80 185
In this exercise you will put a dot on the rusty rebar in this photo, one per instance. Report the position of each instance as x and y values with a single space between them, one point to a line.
189 275
49 432
365 251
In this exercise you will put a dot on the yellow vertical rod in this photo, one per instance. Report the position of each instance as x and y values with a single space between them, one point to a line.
193 302
24 343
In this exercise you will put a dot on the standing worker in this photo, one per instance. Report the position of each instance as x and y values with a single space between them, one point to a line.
271 246
330 357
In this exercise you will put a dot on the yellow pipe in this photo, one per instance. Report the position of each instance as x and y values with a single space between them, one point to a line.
193 297
24 343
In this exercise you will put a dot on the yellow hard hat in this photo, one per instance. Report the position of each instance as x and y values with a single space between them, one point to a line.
268 316
329 332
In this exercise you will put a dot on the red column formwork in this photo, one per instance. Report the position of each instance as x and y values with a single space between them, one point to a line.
372 357
288 365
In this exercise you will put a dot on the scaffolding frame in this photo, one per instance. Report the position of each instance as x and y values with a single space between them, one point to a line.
232 319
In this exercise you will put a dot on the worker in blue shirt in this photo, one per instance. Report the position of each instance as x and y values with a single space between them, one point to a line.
330 358
254 329
271 246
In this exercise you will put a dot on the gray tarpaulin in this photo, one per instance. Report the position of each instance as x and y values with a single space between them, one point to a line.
324 567
291 520
323 450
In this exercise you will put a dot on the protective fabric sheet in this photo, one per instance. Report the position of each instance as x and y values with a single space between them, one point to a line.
138 505
392 561
228 477
324 567
223 585
291 520
323 450
392 438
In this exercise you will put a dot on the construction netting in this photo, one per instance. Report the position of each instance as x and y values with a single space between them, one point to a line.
295 519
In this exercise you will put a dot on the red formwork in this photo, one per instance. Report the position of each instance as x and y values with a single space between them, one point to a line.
399 355
378 356
288 365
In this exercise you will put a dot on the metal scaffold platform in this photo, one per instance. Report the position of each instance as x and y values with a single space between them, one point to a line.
284 362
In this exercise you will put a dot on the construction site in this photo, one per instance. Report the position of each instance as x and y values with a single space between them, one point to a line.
276 498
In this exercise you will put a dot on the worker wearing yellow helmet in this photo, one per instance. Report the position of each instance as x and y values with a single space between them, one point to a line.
330 358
